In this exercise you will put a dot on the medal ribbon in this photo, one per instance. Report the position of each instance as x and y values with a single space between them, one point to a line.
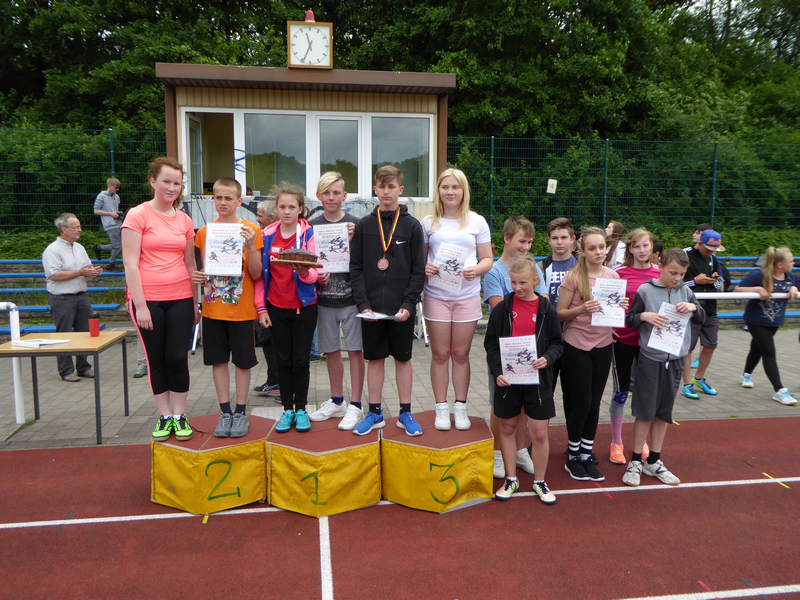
391 234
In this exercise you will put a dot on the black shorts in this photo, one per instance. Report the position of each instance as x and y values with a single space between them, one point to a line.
388 338
510 401
225 339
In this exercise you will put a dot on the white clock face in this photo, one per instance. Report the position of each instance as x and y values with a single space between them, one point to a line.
309 45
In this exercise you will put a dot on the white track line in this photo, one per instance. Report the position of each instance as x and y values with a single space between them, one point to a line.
250 511
744 593
655 488
325 567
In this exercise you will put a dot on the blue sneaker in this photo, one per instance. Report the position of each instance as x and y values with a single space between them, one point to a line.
696 362
370 422
688 391
407 422
301 420
703 385
286 422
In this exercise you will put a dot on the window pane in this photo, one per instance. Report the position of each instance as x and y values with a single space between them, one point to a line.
404 143
275 151
338 150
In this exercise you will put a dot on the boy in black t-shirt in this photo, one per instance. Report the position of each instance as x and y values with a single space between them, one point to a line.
337 309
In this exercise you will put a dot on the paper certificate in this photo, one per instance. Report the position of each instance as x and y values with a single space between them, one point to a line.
669 339
518 355
610 293
378 316
223 251
332 247
450 259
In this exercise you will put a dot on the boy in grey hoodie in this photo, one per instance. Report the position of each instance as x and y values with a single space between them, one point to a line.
658 374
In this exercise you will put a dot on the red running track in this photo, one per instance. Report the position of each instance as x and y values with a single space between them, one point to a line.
704 539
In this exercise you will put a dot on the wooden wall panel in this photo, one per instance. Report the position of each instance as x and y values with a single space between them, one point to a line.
305 100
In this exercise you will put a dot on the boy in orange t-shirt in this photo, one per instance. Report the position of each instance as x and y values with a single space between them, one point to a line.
229 311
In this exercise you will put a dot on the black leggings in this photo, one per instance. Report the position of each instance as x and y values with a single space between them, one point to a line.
584 374
762 346
167 344
292 332
624 356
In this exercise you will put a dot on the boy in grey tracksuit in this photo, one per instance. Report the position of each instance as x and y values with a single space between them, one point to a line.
106 206
658 374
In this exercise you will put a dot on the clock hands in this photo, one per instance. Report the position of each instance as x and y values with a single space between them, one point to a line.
308 50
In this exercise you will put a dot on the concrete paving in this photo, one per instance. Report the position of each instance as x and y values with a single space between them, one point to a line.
68 415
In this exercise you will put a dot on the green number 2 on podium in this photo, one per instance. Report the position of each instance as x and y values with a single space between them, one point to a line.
211 495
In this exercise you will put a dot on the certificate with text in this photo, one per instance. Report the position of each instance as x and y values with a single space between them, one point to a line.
610 293
224 249
333 248
518 355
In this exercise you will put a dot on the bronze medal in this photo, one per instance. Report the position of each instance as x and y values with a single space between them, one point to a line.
383 264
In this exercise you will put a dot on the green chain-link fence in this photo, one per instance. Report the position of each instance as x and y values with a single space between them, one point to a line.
675 184
44 172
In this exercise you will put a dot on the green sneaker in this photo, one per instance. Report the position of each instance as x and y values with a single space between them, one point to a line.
164 427
183 431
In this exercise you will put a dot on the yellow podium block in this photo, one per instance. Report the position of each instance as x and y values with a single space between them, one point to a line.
438 470
324 471
207 474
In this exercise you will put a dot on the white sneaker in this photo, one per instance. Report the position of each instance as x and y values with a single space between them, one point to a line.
633 475
747 380
327 410
442 422
657 469
784 396
462 420
524 461
352 417
499 470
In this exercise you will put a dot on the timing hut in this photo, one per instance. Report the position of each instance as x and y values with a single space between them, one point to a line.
265 125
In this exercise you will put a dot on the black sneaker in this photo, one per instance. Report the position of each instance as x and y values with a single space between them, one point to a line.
112 268
591 470
577 470
96 252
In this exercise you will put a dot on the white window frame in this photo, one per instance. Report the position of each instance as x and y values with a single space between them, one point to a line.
365 182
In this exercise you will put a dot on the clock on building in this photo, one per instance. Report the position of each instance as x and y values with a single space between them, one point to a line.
310 44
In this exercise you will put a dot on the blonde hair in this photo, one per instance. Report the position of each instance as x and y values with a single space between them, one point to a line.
580 271
328 179
631 239
438 207
525 263
771 257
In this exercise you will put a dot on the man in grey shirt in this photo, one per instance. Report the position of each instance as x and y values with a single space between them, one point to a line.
66 266
106 205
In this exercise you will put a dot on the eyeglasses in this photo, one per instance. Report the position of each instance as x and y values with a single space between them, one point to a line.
75 227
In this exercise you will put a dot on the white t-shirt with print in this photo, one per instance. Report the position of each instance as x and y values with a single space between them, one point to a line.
449 232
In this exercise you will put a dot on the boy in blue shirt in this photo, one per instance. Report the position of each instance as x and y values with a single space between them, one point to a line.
518 235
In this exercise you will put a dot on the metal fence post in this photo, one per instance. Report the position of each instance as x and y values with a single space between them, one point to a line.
111 146
605 186
491 185
714 183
